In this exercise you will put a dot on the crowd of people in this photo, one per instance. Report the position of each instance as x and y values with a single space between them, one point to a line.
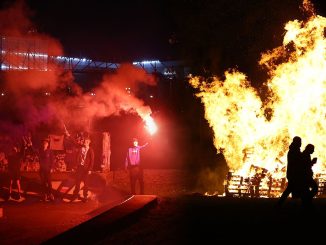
45 161
23 156
30 162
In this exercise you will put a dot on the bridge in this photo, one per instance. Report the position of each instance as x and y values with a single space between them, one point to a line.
32 54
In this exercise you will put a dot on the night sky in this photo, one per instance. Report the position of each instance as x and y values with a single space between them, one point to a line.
167 30
106 30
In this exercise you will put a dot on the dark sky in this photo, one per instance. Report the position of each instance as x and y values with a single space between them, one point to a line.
138 29
106 29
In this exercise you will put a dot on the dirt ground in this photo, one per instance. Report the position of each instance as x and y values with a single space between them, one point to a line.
186 217
32 221
197 219
160 182
180 217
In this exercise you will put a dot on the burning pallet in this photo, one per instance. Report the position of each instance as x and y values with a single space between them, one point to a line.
321 181
263 183
255 186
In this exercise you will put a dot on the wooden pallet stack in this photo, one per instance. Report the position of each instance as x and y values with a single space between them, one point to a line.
320 178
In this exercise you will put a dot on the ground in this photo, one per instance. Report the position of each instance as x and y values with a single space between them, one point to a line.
196 219
33 221
180 217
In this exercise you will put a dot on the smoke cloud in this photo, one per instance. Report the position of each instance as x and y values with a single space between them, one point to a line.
15 20
39 96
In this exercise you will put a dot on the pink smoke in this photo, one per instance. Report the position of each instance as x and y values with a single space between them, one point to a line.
111 97
29 105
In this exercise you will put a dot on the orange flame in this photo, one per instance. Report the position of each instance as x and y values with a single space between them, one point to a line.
250 131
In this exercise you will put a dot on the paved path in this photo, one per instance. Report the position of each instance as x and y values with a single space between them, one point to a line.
107 222
33 222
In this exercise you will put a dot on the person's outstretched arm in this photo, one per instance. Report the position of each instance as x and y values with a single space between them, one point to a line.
143 145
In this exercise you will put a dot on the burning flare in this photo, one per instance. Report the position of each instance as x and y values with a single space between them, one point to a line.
150 124
251 131
145 114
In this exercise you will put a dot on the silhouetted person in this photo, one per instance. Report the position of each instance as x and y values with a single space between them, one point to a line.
46 161
134 165
310 185
28 152
85 162
14 163
294 171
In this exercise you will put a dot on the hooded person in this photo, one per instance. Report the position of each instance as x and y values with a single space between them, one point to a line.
85 162
294 171
46 165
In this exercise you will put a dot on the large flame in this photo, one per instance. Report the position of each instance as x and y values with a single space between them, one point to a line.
251 131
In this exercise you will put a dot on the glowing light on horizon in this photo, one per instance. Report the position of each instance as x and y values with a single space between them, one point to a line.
25 54
144 62
73 59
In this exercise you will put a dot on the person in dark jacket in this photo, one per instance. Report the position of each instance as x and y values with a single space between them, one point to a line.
14 163
46 161
85 162
310 185
294 171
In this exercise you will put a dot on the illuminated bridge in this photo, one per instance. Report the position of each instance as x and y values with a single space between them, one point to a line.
32 54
